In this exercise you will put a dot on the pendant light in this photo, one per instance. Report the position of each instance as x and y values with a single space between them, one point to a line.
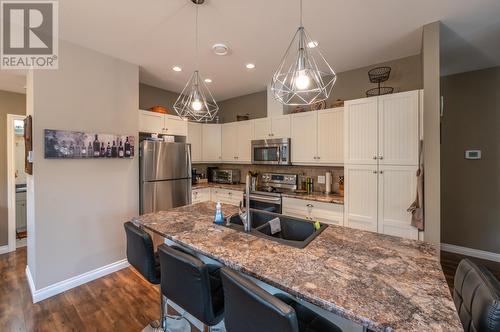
303 77
196 101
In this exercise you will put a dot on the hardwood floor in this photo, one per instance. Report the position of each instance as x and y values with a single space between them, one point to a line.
121 301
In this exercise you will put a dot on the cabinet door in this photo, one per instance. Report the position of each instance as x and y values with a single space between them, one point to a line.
304 137
200 195
398 128
262 128
327 213
175 126
280 126
397 190
360 125
360 204
331 136
150 122
229 142
211 142
194 137
245 137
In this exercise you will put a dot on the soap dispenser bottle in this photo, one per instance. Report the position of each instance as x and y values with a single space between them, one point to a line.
219 217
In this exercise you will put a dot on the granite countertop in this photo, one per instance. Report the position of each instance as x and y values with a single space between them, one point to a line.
316 196
382 282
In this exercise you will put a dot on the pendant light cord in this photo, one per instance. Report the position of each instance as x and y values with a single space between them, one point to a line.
301 13
196 38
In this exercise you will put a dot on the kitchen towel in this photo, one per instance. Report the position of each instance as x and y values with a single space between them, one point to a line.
275 225
417 207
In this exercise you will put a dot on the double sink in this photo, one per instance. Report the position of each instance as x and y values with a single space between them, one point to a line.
295 232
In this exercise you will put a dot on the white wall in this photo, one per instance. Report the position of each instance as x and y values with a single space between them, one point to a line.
76 208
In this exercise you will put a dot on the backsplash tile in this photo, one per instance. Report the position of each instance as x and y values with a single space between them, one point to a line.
307 171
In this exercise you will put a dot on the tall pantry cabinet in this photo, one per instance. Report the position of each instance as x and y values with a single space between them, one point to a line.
381 151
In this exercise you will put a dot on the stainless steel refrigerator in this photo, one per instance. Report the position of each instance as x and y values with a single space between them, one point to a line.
165 175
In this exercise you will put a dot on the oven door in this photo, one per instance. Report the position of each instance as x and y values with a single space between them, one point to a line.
265 203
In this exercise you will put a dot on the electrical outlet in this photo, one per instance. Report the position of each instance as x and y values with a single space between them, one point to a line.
321 179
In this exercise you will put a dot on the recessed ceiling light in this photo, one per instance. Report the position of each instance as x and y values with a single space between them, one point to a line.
250 66
312 44
208 80
176 68
220 49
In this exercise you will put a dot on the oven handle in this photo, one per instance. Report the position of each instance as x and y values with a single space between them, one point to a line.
265 199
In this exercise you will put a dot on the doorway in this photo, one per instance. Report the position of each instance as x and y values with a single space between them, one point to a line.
16 183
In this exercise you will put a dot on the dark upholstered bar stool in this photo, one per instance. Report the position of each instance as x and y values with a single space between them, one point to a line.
249 308
192 284
141 255
476 295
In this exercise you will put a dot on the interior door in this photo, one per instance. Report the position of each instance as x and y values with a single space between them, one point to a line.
397 190
361 137
398 128
262 128
245 136
331 136
360 209
229 142
304 137
280 126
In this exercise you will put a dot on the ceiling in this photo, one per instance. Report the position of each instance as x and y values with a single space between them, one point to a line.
159 34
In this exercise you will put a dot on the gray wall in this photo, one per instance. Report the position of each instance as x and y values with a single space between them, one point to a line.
10 103
76 208
432 171
150 96
471 188
255 105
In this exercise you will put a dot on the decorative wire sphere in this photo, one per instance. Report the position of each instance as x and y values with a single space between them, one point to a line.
303 77
379 74
196 101
383 90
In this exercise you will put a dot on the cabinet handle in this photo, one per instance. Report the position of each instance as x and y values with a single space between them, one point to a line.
374 157
310 205
374 172
381 172
319 157
381 157
229 193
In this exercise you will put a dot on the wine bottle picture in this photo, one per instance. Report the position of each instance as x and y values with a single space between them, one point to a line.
103 150
121 153
127 148
114 150
96 147
90 151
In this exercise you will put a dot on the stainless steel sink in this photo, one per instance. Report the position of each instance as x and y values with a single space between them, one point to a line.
295 232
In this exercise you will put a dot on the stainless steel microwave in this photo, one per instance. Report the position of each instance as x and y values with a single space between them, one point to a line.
271 151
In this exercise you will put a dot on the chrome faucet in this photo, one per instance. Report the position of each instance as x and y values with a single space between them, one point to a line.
246 216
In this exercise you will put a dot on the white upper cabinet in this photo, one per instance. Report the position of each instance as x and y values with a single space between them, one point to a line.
360 205
331 136
230 142
175 125
398 128
280 126
245 137
397 186
262 128
275 127
211 142
194 138
151 122
304 137
361 132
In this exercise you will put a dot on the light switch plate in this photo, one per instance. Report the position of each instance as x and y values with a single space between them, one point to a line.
321 179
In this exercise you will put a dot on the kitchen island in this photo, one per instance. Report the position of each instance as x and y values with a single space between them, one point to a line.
382 282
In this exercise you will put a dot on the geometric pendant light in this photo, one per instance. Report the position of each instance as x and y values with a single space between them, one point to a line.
303 77
196 101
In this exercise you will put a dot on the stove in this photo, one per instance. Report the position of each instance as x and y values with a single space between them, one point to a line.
270 186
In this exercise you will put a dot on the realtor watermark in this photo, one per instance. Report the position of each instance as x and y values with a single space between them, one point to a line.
30 35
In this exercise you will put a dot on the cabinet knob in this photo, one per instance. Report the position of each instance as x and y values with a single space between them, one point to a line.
374 157
310 205
381 157
229 193
374 172
319 157
381 172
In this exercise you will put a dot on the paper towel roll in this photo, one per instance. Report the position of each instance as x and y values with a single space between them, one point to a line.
328 180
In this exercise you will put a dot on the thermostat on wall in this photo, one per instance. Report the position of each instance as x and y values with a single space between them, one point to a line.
473 154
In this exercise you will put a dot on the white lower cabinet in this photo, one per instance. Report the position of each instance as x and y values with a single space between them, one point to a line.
328 213
361 197
226 196
200 195
377 197
397 190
